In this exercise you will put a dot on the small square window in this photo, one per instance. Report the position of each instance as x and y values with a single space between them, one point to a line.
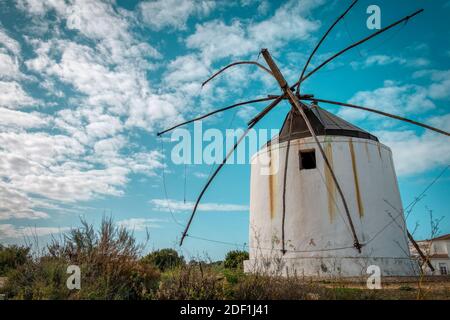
443 268
307 159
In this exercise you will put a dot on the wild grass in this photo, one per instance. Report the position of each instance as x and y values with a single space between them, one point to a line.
113 266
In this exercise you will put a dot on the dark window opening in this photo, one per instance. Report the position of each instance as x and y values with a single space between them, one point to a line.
443 268
307 159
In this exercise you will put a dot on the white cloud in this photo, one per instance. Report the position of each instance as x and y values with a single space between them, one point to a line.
123 89
383 60
200 175
9 43
263 7
140 224
42 7
414 154
89 152
186 69
15 204
173 13
217 40
440 88
58 167
246 113
96 20
9 67
175 205
9 57
13 119
290 22
393 98
9 231
13 96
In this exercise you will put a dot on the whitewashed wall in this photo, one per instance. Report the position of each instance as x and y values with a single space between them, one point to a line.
316 223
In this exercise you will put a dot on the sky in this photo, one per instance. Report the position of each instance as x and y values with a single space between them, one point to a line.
86 85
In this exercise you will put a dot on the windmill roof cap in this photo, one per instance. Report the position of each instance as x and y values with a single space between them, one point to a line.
323 122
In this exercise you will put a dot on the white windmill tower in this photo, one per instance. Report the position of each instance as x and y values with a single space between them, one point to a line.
331 206
315 232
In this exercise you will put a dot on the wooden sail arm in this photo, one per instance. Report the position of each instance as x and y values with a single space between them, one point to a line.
319 43
420 252
235 64
217 111
211 178
420 124
296 104
354 45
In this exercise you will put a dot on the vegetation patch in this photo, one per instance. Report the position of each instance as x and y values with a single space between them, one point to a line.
113 266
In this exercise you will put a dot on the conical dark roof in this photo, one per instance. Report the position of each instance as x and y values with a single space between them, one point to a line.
324 124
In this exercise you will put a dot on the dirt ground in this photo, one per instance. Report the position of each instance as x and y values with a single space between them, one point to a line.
431 282
429 287
398 288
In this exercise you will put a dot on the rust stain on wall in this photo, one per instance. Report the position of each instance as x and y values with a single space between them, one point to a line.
355 176
394 175
272 186
379 151
331 187
366 147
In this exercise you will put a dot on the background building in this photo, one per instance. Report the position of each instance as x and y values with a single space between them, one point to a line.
436 250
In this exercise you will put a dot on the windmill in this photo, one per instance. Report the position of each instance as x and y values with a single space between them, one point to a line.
335 207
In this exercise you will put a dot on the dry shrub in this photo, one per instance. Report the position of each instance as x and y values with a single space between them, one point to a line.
11 257
42 279
194 281
261 287
108 260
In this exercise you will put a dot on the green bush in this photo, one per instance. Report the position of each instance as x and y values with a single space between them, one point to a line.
164 259
108 260
43 279
12 257
235 259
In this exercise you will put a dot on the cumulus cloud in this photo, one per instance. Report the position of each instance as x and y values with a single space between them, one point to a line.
216 40
8 43
160 14
440 87
413 152
400 99
59 167
13 119
179 206
123 88
384 60
9 231
416 153
290 22
185 69
82 149
16 204
9 67
13 96
246 112
141 224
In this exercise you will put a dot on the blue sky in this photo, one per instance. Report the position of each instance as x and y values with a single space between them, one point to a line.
85 86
